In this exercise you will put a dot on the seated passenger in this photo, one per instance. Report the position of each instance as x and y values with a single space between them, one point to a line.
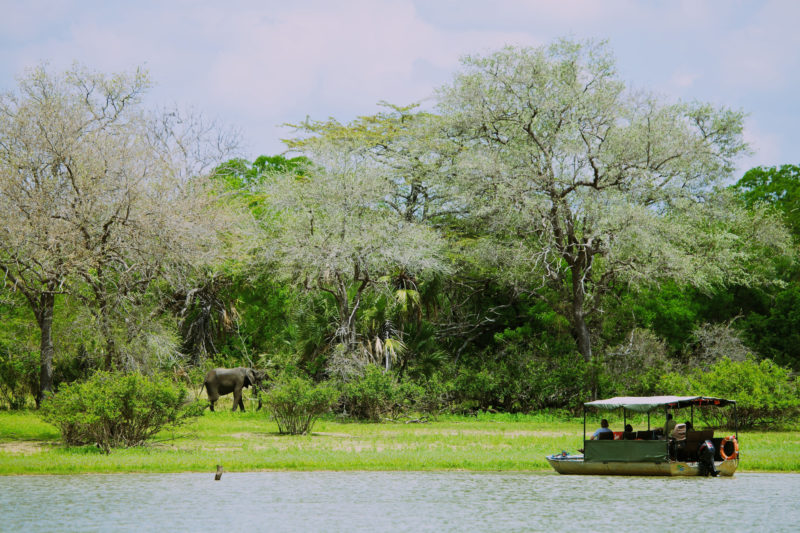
629 434
669 426
603 429
679 433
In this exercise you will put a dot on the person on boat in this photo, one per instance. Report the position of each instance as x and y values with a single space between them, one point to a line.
669 426
628 434
603 429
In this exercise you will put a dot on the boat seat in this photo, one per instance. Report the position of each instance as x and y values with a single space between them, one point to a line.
700 436
644 435
629 435
607 435
692 442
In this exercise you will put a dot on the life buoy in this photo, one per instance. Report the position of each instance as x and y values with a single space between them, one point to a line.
723 442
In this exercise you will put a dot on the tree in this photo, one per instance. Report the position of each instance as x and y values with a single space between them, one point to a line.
579 183
93 188
331 231
775 186
415 152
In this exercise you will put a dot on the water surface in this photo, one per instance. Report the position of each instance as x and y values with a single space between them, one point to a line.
398 501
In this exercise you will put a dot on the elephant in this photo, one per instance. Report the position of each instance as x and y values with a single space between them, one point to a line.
222 381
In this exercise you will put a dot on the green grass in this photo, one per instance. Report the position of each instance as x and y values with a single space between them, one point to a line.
249 441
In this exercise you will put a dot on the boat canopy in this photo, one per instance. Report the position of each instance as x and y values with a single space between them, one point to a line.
645 404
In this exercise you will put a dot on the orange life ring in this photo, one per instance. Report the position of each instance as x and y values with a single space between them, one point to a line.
723 442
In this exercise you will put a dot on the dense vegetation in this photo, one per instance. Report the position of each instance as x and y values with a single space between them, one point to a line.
542 236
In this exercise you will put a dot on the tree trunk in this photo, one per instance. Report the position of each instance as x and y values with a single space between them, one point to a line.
44 316
111 357
579 326
347 315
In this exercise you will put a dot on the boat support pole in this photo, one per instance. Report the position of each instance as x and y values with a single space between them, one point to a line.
583 443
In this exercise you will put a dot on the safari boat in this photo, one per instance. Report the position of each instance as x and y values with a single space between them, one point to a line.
651 453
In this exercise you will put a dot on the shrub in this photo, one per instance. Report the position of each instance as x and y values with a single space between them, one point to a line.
296 403
765 393
376 394
522 382
19 377
117 410
635 367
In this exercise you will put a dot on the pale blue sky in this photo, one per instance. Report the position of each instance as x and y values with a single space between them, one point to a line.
257 64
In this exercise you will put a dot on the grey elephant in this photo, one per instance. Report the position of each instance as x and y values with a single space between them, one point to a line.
222 381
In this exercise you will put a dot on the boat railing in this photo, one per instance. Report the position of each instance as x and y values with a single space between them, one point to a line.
607 451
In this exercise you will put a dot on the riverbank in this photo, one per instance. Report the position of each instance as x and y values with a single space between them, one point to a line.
250 442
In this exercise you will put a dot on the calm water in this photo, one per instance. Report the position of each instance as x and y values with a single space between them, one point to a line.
388 501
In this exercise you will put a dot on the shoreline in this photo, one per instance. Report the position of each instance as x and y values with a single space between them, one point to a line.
249 442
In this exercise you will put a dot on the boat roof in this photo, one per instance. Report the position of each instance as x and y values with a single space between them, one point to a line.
645 404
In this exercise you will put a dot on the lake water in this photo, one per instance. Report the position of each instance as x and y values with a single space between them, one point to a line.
397 501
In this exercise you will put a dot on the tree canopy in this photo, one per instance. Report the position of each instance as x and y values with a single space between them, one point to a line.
536 234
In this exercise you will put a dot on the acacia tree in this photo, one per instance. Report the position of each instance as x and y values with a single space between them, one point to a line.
415 152
330 230
90 190
580 183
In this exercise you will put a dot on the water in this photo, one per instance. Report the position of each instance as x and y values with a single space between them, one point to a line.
397 501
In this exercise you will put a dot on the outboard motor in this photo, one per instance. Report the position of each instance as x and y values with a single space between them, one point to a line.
705 459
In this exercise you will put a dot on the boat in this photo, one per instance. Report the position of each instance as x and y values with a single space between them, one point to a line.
651 453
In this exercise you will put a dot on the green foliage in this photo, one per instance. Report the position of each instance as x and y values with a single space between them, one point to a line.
529 370
775 331
117 410
635 367
19 376
765 392
296 403
775 186
377 394
240 174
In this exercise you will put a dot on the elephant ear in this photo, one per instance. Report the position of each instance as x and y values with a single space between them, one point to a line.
249 377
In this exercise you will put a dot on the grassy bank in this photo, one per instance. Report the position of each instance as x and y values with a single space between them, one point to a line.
247 442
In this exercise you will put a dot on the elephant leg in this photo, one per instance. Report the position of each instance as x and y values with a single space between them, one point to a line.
237 399
211 404
241 403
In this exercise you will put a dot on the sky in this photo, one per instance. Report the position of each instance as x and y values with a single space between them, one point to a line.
255 65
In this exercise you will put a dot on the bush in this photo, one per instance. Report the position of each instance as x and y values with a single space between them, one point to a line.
635 367
765 393
296 403
376 394
117 410
522 382
19 377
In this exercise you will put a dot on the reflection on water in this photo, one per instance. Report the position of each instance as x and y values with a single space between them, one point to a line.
397 501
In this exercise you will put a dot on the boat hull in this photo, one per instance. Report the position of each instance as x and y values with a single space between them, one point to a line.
574 464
